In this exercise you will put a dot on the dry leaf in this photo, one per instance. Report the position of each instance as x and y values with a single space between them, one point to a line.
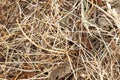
60 72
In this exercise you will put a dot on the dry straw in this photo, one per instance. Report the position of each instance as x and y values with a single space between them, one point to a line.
59 40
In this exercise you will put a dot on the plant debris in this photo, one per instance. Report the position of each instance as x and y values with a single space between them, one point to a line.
59 40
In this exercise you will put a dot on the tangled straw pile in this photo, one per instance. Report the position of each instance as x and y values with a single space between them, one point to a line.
59 40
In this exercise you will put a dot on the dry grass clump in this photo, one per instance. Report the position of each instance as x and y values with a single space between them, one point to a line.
59 40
